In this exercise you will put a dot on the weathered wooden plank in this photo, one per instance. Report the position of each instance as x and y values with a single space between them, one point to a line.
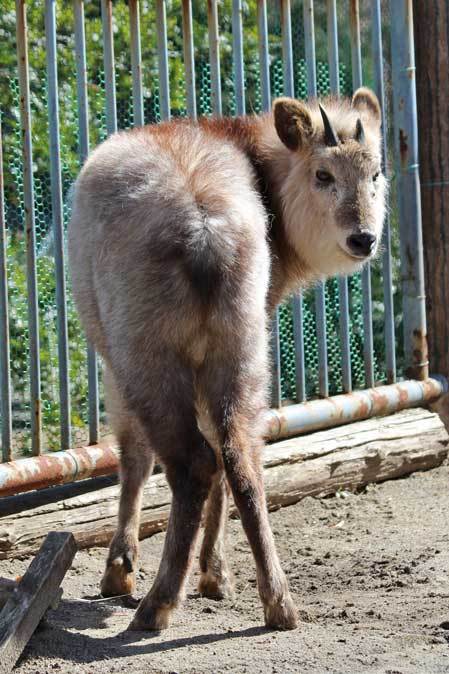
7 587
37 589
371 450
352 469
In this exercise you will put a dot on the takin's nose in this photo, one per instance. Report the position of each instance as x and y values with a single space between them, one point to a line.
361 245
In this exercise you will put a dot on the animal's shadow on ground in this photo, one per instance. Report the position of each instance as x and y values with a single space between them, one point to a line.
55 638
84 614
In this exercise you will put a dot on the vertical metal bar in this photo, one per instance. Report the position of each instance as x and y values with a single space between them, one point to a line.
189 61
94 406
390 354
409 194
320 298
368 342
332 43
58 220
309 39
81 80
28 196
162 51
136 62
83 131
264 59
297 301
287 51
237 50
345 342
109 69
298 336
276 387
334 76
356 48
264 65
5 374
214 55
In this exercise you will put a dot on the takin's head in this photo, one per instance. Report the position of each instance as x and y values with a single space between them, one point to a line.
333 189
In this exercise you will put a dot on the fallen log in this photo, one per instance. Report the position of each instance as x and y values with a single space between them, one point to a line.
34 593
347 457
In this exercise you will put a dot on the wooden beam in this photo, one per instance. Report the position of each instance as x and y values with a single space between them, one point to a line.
320 463
431 21
37 589
7 587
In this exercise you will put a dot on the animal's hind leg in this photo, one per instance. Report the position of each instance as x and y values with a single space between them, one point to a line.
136 464
237 410
216 579
244 471
169 417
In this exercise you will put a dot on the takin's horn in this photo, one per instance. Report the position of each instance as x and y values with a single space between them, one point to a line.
359 131
330 137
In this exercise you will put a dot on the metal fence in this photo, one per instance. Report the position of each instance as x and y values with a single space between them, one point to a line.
351 348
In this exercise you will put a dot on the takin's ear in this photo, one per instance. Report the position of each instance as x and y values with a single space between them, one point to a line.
292 121
366 101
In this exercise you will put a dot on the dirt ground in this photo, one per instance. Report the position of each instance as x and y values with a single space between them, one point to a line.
369 573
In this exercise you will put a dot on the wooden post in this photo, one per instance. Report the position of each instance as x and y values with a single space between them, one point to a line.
431 26
33 595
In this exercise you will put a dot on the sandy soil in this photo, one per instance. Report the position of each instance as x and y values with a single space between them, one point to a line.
369 573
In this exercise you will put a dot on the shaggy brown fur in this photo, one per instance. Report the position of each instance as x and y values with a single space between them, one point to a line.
182 236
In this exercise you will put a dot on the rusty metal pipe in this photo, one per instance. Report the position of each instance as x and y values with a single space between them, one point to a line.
56 468
342 409
94 461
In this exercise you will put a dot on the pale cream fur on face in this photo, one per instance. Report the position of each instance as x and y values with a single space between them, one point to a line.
314 215
310 221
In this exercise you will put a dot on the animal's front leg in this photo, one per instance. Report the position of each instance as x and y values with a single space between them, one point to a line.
135 467
216 579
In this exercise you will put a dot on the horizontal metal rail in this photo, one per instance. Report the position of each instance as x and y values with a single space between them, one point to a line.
316 415
79 464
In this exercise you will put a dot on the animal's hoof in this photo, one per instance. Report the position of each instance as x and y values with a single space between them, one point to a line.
118 578
215 588
150 619
282 615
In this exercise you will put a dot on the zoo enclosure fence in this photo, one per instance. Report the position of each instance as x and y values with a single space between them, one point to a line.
349 349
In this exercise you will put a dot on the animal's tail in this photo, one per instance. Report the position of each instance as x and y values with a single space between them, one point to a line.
211 253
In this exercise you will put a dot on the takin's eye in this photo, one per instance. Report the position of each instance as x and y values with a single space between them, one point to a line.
324 177
375 176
